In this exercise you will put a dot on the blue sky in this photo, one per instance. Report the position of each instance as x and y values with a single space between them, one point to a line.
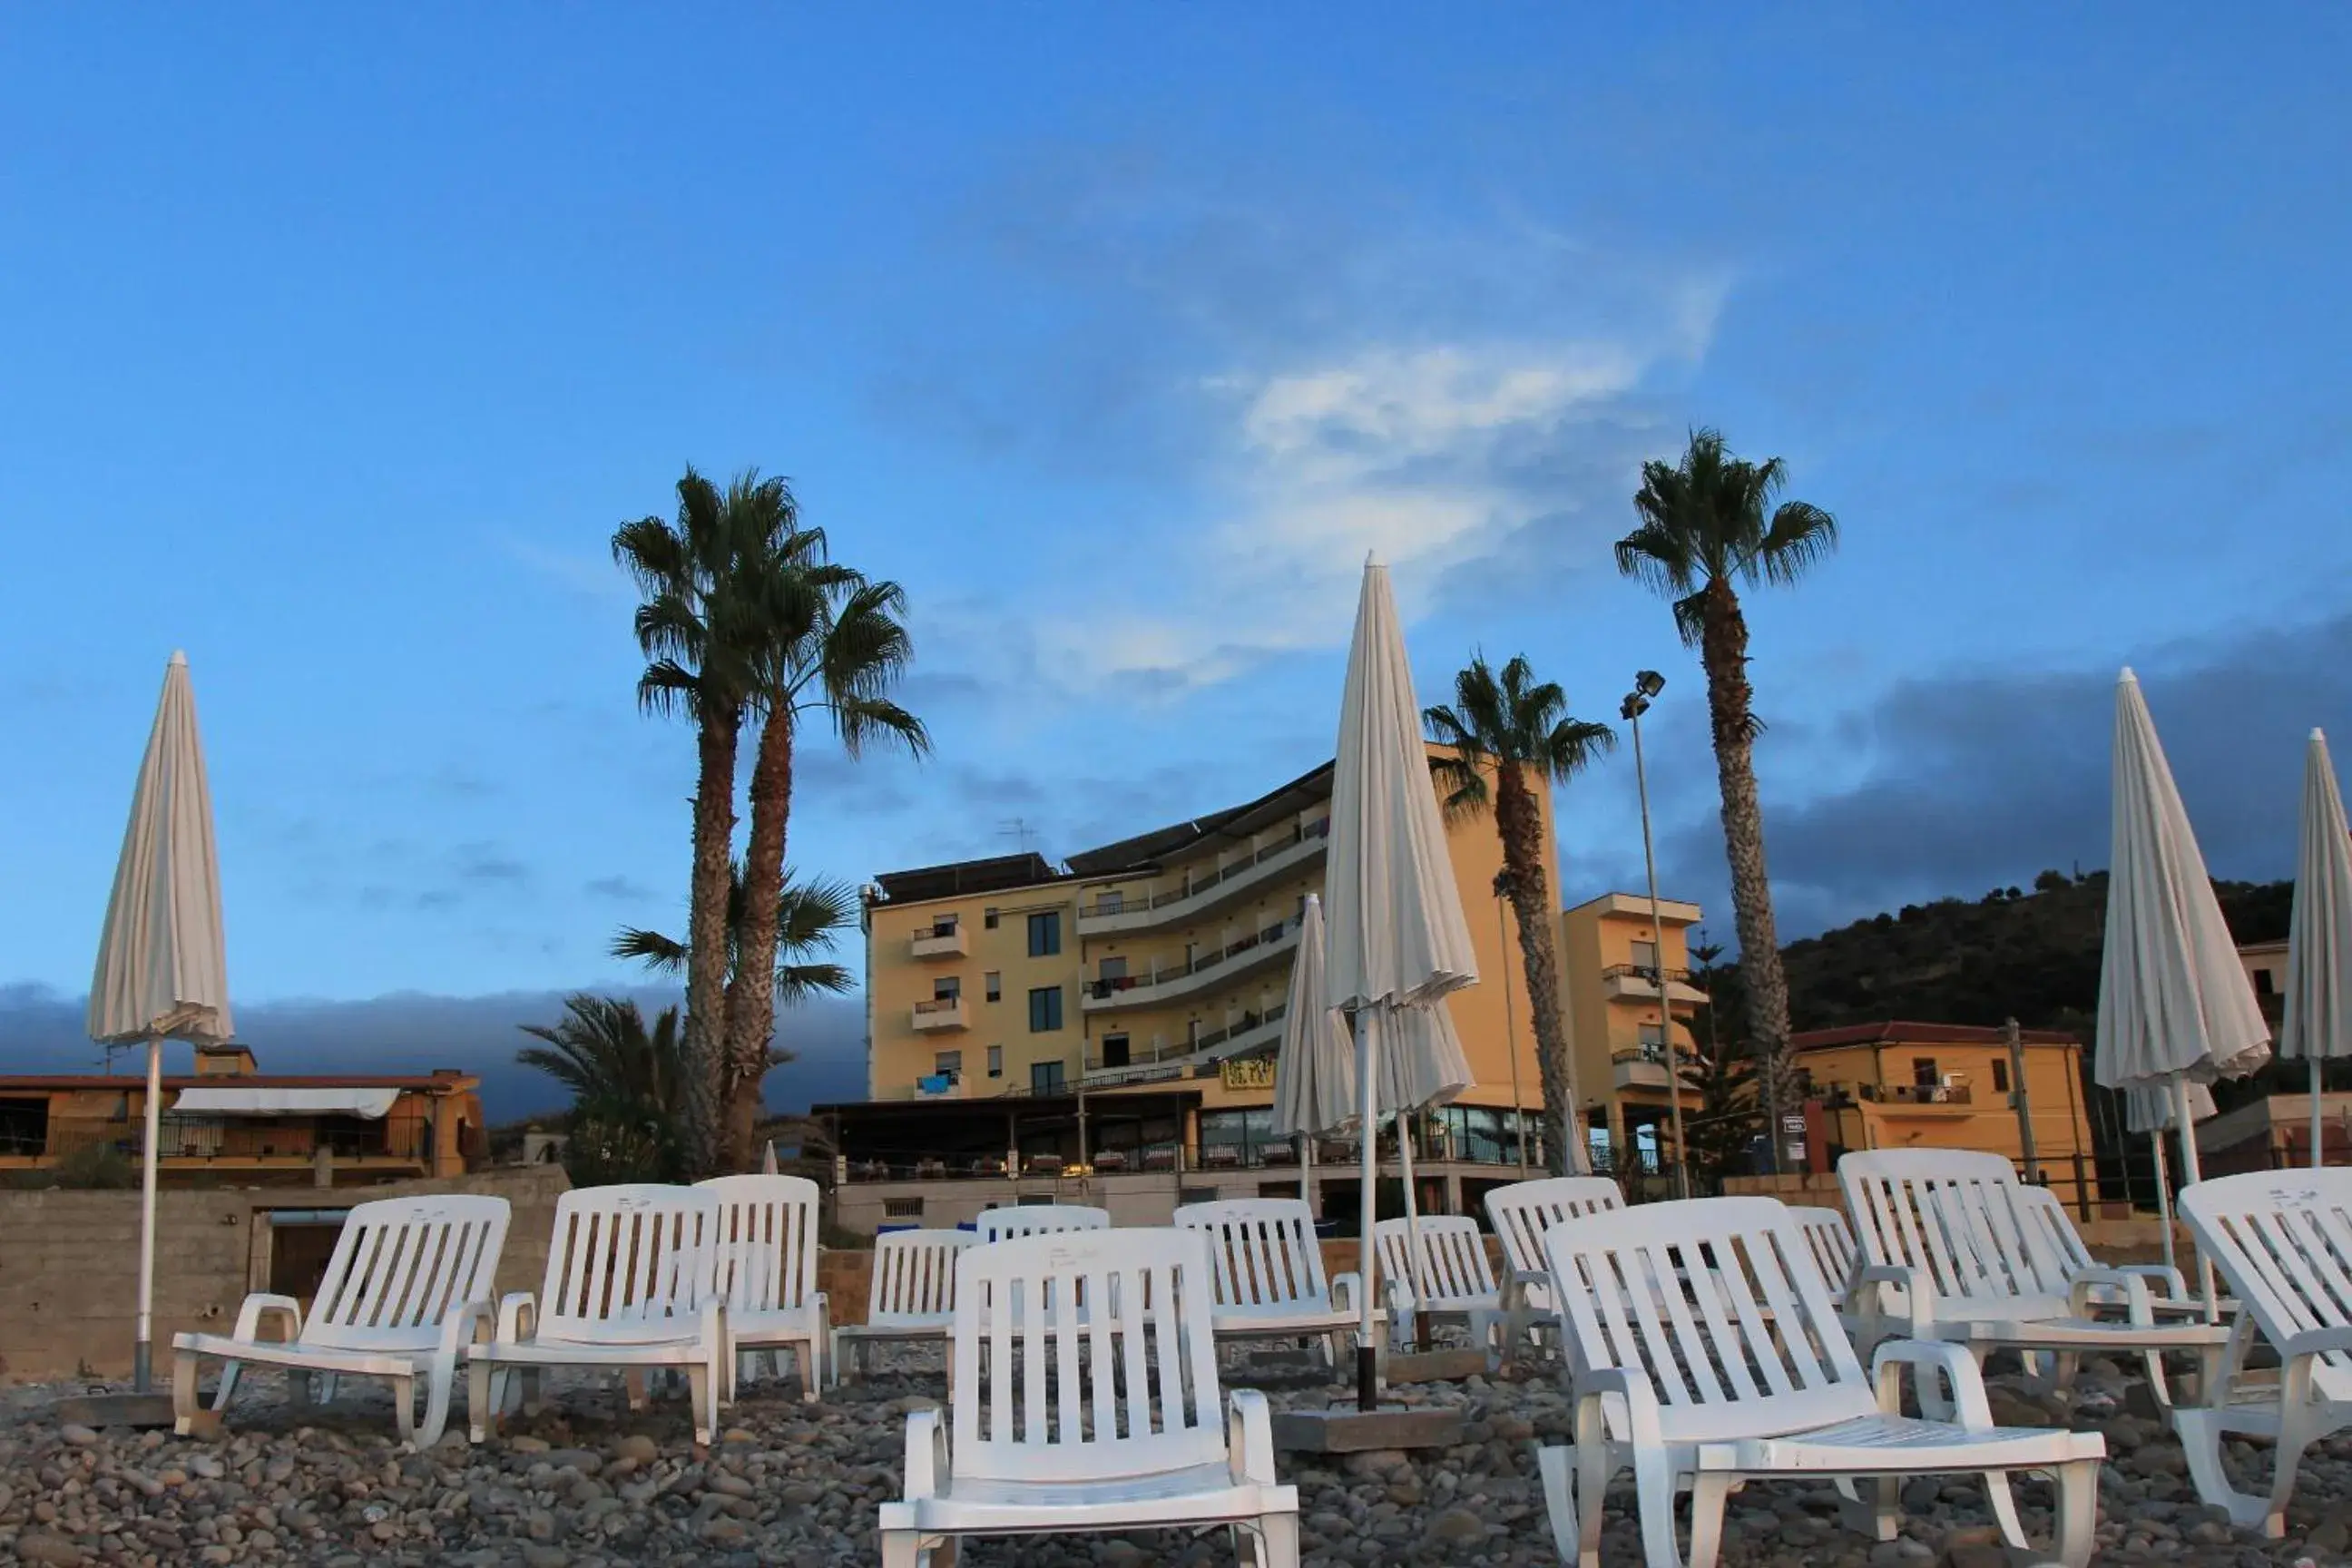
336 344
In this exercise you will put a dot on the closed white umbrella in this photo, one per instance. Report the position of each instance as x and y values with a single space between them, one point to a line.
1315 1066
2175 1006
2318 1023
163 969
1397 937
1422 1066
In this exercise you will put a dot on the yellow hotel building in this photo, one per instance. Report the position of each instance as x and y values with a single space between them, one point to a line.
1620 1028
1118 1015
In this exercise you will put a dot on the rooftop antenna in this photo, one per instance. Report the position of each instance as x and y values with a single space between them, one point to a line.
1017 828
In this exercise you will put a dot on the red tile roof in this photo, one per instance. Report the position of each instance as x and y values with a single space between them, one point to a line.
1900 1033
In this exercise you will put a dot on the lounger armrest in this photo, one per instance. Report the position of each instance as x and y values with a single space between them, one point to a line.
472 1322
1249 1438
2084 1290
2316 1343
926 1453
1592 1390
1926 1357
2163 1279
261 1307
517 1317
1863 1297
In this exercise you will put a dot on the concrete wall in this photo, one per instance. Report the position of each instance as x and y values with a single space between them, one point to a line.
69 1262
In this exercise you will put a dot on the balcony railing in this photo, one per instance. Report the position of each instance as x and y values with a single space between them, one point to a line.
1914 1093
1171 1060
1621 971
1197 886
220 1139
1102 990
942 939
940 1012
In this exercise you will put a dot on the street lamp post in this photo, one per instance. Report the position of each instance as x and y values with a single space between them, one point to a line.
1647 684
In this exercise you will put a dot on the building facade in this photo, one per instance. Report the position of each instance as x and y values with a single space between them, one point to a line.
1120 1011
1950 1086
229 1123
1625 1035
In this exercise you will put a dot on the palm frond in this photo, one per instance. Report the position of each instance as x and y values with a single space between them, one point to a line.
1801 536
662 954
796 982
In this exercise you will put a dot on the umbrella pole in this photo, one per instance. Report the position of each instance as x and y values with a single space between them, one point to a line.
2316 1130
2163 1197
2188 1130
1413 1262
1368 1263
142 1353
1306 1176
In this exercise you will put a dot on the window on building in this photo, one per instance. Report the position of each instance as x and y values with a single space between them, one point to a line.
1111 966
2000 1076
1922 1072
1044 1010
996 1061
902 1208
947 1062
1046 1078
1114 1050
1646 955
1653 1038
943 925
947 987
1046 934
2264 985
987 918
995 984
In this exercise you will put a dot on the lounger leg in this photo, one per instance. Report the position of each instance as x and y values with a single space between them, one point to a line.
227 1384
1708 1492
634 1382
403 1409
812 1369
436 1404
901 1548
185 1399
299 1392
2078 1512
482 1410
1880 1518
1277 1540
2004 1508
702 1388
327 1385
1556 1465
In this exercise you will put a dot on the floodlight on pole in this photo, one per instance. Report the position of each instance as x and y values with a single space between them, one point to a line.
1647 684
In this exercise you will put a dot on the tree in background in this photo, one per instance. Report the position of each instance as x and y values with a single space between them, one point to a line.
1513 726
808 919
628 1085
1704 536
697 635
830 643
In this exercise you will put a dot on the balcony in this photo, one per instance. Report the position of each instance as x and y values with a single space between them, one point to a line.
945 939
1204 893
1245 1033
1642 1067
1915 1096
1233 961
940 1012
1632 983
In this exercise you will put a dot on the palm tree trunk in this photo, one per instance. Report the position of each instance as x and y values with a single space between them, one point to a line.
1729 699
752 992
704 1042
1519 823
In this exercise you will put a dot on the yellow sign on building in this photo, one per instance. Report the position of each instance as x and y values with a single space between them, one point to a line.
1247 1072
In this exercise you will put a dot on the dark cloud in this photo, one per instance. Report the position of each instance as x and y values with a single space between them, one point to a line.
41 1030
1979 780
623 889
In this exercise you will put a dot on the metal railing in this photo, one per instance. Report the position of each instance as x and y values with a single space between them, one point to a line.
1103 989
224 1140
1193 886
1914 1093
1645 972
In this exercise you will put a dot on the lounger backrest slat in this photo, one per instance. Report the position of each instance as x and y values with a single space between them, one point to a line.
1832 1239
1015 1221
1263 1252
1059 1394
1952 1215
401 1265
1522 1211
1453 1266
766 1256
913 1283
628 1263
1719 1304
2282 1242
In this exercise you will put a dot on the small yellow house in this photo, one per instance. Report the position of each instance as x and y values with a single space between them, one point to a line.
229 1122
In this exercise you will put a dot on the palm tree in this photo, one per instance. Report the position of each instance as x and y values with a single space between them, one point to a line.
695 631
832 642
810 917
627 1085
1704 536
1512 726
